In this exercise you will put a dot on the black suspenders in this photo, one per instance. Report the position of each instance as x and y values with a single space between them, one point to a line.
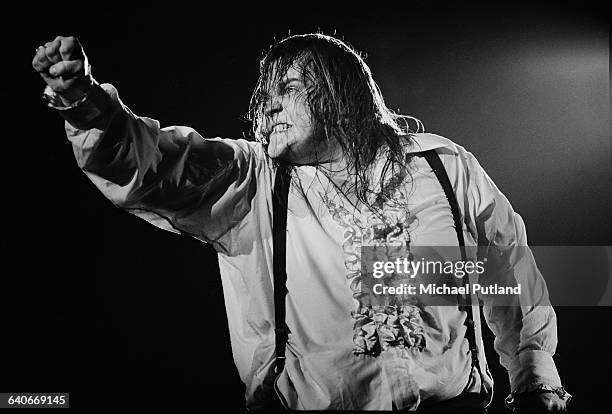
280 198
279 237
436 165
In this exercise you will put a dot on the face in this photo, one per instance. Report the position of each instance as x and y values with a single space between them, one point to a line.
288 125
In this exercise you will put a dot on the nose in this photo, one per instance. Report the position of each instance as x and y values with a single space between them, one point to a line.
273 106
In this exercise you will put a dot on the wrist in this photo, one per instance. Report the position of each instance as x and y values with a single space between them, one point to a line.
67 100
515 399
77 94
92 110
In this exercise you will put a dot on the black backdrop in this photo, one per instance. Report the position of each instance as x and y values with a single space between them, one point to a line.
102 305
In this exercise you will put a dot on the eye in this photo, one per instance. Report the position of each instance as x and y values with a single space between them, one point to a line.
290 89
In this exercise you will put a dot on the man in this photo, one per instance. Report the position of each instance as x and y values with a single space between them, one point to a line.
357 176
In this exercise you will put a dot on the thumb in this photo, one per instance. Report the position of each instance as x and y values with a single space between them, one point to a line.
67 68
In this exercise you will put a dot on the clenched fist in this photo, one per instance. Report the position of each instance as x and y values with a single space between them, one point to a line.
64 67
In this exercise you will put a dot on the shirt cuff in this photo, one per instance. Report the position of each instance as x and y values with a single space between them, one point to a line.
532 370
90 111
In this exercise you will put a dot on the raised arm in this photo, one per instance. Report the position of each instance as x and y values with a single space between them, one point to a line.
172 177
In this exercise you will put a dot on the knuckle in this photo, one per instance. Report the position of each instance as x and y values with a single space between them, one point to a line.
64 48
67 45
39 65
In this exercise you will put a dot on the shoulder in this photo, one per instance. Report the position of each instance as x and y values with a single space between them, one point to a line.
427 141
449 151
457 160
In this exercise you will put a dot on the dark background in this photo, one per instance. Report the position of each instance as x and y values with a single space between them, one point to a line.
117 312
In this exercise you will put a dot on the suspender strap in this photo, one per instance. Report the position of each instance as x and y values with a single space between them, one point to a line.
436 165
279 236
438 168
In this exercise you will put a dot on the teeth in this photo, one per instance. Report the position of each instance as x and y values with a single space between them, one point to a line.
280 128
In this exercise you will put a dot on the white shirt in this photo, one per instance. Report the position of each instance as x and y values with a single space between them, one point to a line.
219 191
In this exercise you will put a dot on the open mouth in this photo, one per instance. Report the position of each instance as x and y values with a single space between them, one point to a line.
279 128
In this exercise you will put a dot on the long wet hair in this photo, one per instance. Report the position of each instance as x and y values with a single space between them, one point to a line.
345 104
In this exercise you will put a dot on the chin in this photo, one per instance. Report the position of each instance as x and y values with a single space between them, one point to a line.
278 152
274 152
279 155
284 156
